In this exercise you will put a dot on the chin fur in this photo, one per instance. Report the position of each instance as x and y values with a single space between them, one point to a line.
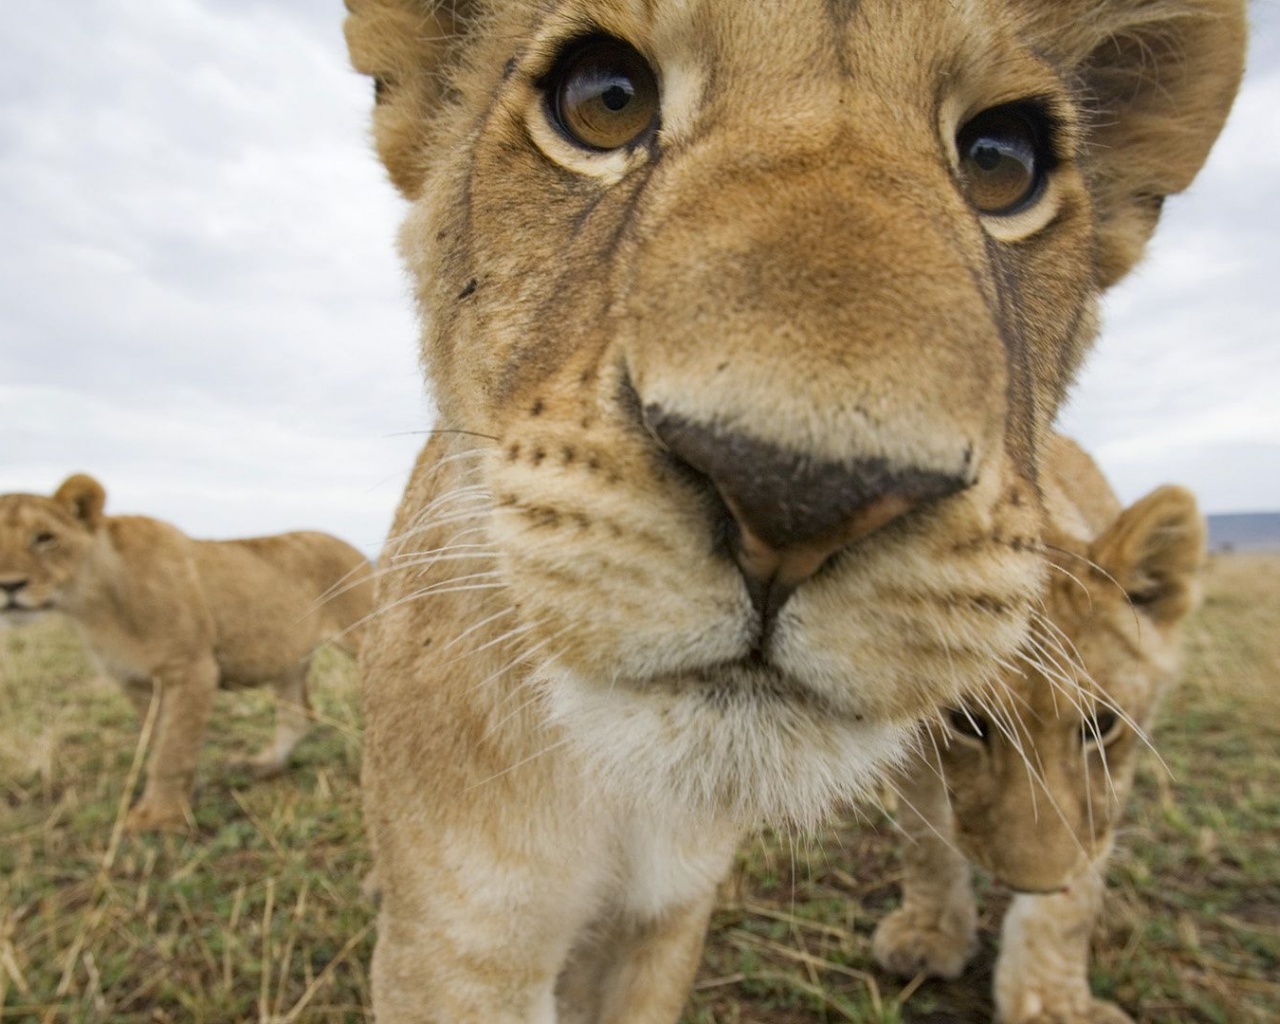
743 747
22 616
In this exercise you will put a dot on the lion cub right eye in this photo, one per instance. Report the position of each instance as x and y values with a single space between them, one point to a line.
602 94
1004 158
44 541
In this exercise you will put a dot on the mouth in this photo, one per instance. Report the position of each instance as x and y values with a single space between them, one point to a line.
755 679
750 684
13 608
1061 890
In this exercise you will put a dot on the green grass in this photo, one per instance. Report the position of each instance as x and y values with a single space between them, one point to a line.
259 916
256 916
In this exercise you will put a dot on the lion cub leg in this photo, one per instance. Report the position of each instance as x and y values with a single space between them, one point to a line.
293 722
460 947
638 973
186 693
934 932
1042 975
140 693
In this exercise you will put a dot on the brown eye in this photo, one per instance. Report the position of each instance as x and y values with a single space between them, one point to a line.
1101 727
1003 159
44 541
968 725
604 95
1145 598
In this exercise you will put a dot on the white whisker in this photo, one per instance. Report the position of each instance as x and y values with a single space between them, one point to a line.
523 761
478 625
522 658
509 635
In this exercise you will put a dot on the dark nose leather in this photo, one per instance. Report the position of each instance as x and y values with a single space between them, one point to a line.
12 586
792 511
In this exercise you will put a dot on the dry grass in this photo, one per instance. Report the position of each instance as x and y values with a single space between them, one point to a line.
258 916
255 917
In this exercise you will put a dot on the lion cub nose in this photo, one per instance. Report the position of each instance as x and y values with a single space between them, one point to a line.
12 585
793 511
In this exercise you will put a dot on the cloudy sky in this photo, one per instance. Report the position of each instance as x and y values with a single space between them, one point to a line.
200 301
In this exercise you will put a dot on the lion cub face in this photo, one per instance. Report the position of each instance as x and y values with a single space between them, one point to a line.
43 545
1038 778
756 315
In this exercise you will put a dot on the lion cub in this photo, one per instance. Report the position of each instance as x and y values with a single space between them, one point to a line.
746 323
1029 785
162 613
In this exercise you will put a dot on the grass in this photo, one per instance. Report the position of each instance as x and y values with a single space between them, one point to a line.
258 915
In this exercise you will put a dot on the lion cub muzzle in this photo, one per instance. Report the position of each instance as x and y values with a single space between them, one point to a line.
808 405
790 512
10 590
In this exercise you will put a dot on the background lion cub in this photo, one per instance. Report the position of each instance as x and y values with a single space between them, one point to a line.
164 614
1029 783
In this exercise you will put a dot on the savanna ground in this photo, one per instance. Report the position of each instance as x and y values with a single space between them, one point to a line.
258 914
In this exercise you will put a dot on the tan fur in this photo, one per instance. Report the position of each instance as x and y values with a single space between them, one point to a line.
573 705
177 618
1036 802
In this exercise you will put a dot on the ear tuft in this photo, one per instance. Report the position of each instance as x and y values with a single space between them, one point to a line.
1158 78
408 48
1155 550
84 496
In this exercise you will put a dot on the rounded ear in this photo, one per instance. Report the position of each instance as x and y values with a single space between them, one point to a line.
84 496
1157 79
1155 550
408 48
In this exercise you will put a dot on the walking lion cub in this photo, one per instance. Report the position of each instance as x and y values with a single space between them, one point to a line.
167 615
1030 782
747 322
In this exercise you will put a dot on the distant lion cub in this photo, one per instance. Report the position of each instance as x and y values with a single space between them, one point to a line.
1030 785
160 611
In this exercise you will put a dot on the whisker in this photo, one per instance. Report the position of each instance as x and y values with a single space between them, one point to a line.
1101 697
480 513
437 431
416 557
427 560
523 761
897 826
509 635
432 591
1096 568
528 653
527 683
479 625
1055 567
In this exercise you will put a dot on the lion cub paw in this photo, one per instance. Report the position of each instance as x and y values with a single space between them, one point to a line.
908 943
265 764
1091 1011
152 816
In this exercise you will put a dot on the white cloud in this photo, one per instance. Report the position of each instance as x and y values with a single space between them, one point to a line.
200 301
216 469
1185 383
199 298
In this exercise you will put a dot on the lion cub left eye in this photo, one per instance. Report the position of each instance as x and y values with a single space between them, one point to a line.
1004 157
967 725
603 95
44 541
1101 728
